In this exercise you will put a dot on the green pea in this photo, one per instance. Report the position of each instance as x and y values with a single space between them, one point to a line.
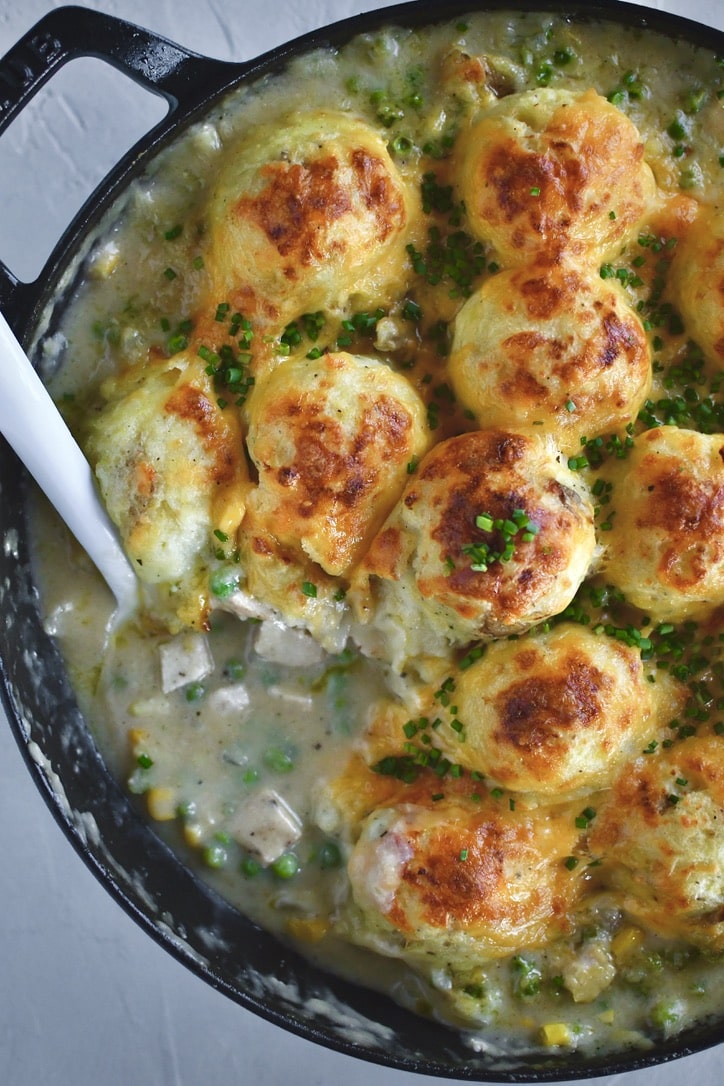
286 866
235 669
250 867
216 856
666 1013
224 581
329 856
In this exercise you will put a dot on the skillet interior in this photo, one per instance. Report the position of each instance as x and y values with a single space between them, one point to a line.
144 876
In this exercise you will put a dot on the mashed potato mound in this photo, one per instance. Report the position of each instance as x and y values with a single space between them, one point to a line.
458 882
659 834
666 548
697 283
301 213
170 465
554 173
554 714
331 439
554 348
423 583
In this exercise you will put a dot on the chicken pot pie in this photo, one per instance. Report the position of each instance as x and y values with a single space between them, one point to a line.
408 410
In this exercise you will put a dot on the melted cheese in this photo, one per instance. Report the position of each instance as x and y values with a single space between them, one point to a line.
302 212
697 283
666 551
171 470
555 174
555 715
551 347
331 439
459 882
418 584
659 832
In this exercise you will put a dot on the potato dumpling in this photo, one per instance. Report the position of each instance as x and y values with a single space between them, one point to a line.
554 172
553 714
301 212
281 583
170 465
455 881
659 838
697 283
554 348
492 534
666 547
331 440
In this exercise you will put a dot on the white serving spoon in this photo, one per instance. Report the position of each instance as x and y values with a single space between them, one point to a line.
36 430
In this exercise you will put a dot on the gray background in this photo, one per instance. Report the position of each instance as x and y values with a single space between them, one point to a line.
87 999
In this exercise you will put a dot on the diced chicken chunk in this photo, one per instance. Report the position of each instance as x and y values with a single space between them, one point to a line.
186 659
232 699
243 605
266 826
283 645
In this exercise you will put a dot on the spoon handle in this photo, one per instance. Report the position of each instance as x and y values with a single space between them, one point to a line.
36 430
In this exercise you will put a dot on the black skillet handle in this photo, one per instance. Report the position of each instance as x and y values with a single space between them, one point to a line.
69 32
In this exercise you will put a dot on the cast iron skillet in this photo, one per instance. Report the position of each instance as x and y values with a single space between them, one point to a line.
182 914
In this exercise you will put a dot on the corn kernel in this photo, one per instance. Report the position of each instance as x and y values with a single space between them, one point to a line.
607 1017
161 803
137 735
625 942
193 834
105 261
308 929
555 1033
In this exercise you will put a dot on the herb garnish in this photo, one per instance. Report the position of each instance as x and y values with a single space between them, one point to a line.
507 532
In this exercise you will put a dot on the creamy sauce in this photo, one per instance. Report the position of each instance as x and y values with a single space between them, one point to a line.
231 720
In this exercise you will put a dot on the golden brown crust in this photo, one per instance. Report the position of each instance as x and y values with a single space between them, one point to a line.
298 202
554 714
171 466
658 835
419 566
300 213
553 173
468 881
666 549
331 439
194 405
554 348
697 283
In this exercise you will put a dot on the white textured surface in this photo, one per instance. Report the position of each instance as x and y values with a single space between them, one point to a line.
86 999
